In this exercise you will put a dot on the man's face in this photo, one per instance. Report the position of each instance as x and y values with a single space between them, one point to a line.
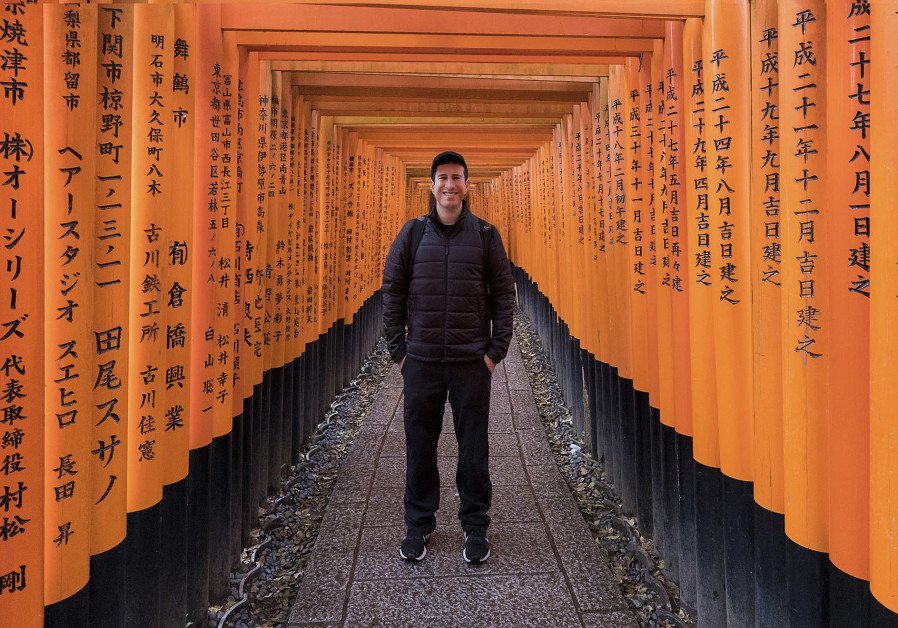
449 186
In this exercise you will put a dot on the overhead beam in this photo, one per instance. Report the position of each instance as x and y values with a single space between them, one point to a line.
384 19
442 110
434 82
463 58
445 43
297 62
361 120
669 9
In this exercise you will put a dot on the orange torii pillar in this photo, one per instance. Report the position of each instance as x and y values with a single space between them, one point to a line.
71 372
111 320
641 276
22 334
702 447
883 79
806 296
766 283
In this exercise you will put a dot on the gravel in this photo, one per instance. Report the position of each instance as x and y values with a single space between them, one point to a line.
288 524
632 558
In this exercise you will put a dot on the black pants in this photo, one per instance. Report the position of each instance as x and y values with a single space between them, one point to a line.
468 387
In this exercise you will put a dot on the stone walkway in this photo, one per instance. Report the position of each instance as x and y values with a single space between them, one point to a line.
545 570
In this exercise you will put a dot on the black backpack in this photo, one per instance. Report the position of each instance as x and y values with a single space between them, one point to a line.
486 239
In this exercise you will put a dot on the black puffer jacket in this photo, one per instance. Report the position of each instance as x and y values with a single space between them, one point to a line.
448 297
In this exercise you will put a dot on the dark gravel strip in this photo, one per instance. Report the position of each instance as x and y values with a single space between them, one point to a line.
632 558
291 519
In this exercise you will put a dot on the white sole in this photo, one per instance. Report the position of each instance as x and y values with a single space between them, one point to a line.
420 558
464 554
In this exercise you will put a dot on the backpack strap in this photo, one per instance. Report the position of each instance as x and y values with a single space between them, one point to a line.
417 234
486 242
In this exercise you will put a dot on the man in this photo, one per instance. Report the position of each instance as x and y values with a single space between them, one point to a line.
447 279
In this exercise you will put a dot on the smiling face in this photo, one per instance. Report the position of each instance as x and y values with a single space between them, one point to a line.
449 187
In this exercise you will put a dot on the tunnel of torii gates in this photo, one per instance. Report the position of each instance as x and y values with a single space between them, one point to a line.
196 204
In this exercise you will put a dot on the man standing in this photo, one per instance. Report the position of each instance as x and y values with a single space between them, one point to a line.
448 301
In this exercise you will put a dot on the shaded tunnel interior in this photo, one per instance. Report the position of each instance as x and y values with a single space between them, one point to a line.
197 200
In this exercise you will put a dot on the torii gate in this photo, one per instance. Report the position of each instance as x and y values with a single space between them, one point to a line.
195 204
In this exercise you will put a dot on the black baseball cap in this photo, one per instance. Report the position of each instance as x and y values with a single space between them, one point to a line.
447 157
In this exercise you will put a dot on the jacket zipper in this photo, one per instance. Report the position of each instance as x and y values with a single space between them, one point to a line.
446 298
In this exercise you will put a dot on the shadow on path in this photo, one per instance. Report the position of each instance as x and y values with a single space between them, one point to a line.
545 569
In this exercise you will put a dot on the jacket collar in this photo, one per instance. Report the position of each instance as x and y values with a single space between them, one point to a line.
432 215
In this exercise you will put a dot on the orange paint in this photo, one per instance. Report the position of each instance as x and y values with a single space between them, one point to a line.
637 188
663 240
805 275
677 157
706 442
70 370
22 306
111 328
883 468
645 157
179 422
727 107
766 254
152 178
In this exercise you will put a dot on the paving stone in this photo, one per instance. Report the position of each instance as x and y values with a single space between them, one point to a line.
371 429
535 447
516 548
507 471
393 378
503 470
353 482
321 596
394 445
501 444
499 403
525 412
514 353
501 423
581 558
365 448
339 530
610 619
383 406
517 377
495 601
391 470
322 593
547 481
398 424
510 504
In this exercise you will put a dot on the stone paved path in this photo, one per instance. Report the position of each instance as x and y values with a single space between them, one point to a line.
544 571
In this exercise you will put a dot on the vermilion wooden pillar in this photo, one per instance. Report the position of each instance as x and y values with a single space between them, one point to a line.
22 314
71 372
883 315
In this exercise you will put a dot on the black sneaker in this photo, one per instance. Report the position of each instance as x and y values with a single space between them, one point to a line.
414 546
477 546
